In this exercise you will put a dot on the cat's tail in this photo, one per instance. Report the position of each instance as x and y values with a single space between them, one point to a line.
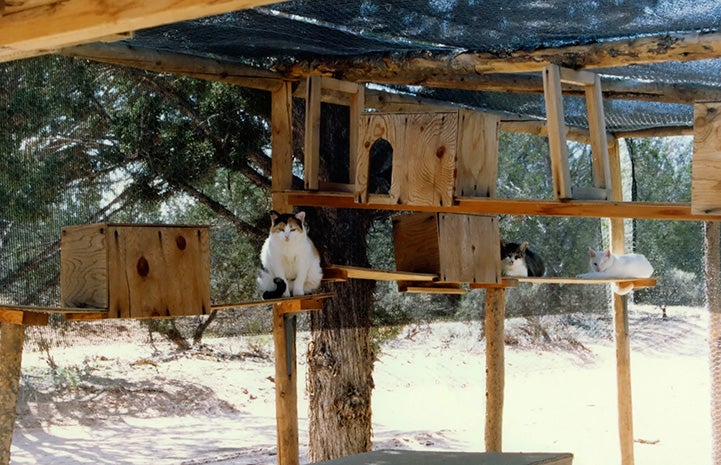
280 287
272 287
622 289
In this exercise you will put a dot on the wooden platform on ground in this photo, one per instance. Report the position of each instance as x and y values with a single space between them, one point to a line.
38 315
414 457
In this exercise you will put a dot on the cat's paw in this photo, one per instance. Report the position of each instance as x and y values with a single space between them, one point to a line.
298 292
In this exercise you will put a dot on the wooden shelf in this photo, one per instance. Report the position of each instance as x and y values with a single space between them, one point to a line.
38 315
532 207
344 273
288 304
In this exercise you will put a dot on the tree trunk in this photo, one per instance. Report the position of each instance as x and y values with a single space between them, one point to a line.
11 352
712 232
340 356
340 374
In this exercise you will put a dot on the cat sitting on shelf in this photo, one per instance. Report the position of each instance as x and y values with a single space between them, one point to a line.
290 262
519 261
604 264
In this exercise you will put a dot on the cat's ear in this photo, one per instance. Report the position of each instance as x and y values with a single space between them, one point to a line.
607 253
273 215
591 252
523 246
300 216
503 243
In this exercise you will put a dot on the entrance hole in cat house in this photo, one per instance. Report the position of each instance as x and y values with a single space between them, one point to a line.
380 171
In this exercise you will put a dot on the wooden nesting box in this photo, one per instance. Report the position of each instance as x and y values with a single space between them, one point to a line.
706 166
136 271
458 248
435 156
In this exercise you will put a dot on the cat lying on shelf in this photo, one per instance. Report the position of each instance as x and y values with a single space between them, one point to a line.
519 261
604 264
290 262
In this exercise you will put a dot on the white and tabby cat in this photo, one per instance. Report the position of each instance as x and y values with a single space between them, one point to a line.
290 261
520 261
604 264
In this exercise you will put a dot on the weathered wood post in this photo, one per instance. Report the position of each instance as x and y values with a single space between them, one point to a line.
620 312
12 338
286 390
712 262
495 372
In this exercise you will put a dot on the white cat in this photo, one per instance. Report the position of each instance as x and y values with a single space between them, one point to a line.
605 264
290 260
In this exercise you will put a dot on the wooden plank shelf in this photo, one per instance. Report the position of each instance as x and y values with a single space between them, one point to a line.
288 304
637 283
38 315
531 207
344 273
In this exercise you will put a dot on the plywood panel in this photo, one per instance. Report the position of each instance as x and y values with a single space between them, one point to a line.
706 167
136 271
415 238
477 158
424 155
159 271
468 248
84 266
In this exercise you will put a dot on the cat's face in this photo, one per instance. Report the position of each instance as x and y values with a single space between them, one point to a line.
286 227
513 258
599 260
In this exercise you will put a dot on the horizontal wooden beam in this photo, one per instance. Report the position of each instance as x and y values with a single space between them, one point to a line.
177 63
426 67
50 25
20 317
532 207
282 300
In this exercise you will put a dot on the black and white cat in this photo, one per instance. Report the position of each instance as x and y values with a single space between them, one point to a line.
519 261
604 264
290 262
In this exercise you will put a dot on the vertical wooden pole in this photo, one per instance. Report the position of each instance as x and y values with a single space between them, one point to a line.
597 129
311 165
712 262
620 312
286 391
12 338
281 146
495 371
557 130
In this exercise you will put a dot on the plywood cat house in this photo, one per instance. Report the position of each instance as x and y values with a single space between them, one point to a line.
136 271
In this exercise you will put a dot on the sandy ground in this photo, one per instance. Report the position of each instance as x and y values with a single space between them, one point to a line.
124 403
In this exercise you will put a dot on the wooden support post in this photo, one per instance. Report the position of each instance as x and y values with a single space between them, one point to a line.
12 338
495 372
311 164
286 390
620 312
712 262
597 128
556 132
281 146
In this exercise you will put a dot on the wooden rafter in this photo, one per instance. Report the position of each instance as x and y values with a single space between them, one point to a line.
656 49
45 27
177 63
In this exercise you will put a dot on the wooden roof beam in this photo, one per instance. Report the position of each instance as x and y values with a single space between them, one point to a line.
467 70
644 50
177 63
47 26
